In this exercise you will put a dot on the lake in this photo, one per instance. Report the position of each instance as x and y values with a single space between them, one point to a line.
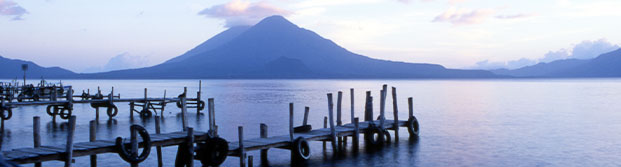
564 122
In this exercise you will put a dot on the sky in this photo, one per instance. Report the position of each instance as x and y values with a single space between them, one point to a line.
90 36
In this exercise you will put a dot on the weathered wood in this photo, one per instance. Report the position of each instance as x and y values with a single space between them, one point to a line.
339 100
190 146
306 111
160 161
291 121
242 152
351 96
356 138
250 163
395 110
263 133
69 148
134 143
368 108
410 107
332 130
92 136
36 131
325 125
184 109
131 110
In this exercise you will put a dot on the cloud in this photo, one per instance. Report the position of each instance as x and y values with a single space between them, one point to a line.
464 17
583 50
515 16
10 8
240 12
121 62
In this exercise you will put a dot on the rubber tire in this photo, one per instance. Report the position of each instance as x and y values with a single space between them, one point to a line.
52 110
8 115
300 150
387 137
112 111
126 154
413 127
213 152
146 113
370 139
64 115
200 105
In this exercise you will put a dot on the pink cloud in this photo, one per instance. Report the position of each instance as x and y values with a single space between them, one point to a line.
515 16
10 8
463 17
240 12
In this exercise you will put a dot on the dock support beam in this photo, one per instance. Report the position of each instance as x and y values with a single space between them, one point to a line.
355 139
69 147
242 152
395 110
263 133
332 129
92 136
36 130
160 162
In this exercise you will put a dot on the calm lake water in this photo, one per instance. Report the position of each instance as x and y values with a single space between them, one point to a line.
463 122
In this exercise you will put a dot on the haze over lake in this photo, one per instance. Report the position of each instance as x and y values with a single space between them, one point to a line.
560 122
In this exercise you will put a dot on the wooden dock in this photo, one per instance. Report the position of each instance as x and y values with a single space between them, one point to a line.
212 150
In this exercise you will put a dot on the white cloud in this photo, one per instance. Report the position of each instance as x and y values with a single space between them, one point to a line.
240 12
463 16
514 16
10 8
583 50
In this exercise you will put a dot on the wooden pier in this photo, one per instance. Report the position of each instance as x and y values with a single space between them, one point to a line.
212 150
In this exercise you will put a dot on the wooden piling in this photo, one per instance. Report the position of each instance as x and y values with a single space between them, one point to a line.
211 115
160 162
190 146
92 136
382 106
69 147
291 122
331 118
134 143
325 125
131 110
410 107
339 121
97 112
263 133
356 137
306 111
368 108
395 110
351 96
184 109
36 130
242 152
198 98
250 163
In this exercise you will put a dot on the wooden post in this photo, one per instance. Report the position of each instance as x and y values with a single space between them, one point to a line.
351 96
145 108
263 133
184 109
325 125
92 136
395 110
242 152
250 163
134 143
410 108
36 126
306 111
210 114
356 137
198 98
160 162
291 122
382 106
131 110
69 146
368 108
190 146
331 117
97 112
339 121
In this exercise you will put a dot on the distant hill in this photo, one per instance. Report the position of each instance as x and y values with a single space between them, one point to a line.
276 48
12 68
605 65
